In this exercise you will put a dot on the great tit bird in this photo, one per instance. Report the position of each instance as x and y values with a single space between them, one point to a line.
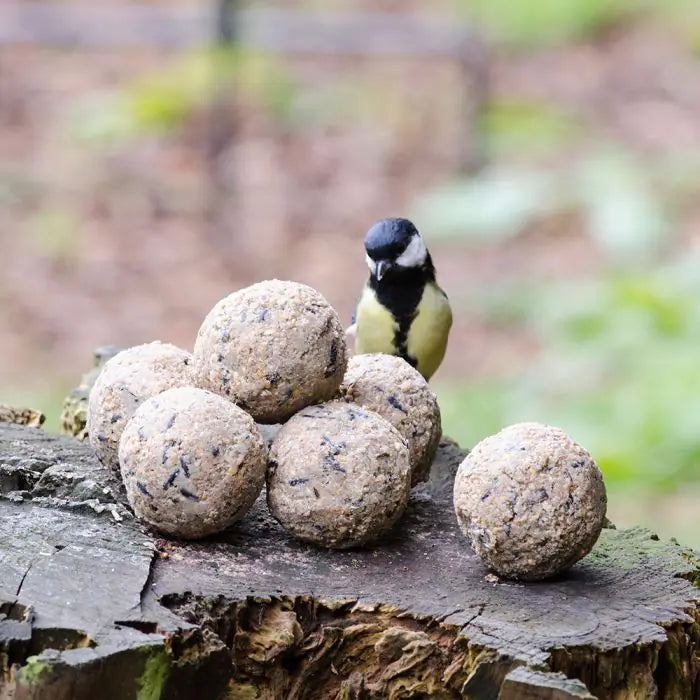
402 310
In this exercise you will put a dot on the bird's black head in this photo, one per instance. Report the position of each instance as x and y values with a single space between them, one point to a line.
395 247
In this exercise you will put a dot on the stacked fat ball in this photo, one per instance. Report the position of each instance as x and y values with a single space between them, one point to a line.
396 391
272 348
193 436
192 462
185 429
339 475
126 381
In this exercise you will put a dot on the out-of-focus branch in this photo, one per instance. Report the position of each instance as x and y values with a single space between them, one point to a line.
220 228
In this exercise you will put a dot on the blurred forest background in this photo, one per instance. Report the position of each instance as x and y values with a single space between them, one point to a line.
550 154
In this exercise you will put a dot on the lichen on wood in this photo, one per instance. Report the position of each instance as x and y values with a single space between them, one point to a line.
74 408
21 416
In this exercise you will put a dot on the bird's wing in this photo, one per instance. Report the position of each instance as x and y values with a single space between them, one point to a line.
353 319
351 330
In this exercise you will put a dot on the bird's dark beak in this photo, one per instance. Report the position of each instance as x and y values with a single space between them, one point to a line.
382 268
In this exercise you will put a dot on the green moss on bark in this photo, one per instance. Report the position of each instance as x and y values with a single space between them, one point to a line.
151 683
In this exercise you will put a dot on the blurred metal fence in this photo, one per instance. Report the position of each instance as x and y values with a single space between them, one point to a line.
324 34
367 34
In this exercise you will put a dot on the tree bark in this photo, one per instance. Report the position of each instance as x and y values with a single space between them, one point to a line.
94 606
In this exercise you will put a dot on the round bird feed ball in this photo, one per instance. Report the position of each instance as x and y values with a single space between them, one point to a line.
338 475
530 500
192 462
126 380
399 393
273 348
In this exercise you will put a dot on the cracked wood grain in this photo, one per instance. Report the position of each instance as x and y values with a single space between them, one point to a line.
105 607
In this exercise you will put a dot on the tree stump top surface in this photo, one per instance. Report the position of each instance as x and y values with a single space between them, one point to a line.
77 571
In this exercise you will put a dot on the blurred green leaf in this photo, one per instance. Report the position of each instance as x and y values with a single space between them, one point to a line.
520 128
160 107
101 119
164 100
56 232
624 201
528 23
682 17
618 370
624 215
490 207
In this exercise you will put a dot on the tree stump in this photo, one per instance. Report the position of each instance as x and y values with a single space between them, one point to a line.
95 607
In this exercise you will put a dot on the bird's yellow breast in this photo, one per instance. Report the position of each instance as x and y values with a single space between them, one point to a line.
376 326
427 336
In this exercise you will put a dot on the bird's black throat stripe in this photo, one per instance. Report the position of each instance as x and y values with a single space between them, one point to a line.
400 292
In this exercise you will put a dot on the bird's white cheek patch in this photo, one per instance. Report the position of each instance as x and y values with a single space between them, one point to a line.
414 255
371 264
